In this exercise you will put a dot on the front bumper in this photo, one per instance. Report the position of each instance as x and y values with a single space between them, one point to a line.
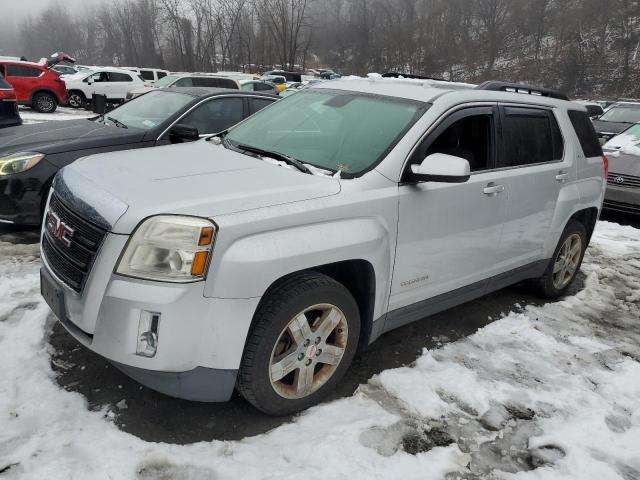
200 340
21 194
622 199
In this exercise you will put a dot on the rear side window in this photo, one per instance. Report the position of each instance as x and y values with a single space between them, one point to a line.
119 77
259 104
263 87
586 133
22 71
530 136
161 75
147 74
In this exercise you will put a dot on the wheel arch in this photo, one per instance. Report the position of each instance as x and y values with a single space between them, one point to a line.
44 90
587 217
357 276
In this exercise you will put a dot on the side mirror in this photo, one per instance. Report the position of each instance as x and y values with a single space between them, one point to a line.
181 132
440 167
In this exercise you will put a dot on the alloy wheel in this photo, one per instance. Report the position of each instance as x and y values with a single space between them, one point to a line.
45 103
75 100
308 351
567 260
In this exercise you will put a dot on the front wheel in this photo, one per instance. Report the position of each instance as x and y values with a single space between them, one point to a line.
76 100
304 337
566 261
44 102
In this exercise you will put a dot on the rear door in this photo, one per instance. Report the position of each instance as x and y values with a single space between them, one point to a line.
534 168
24 79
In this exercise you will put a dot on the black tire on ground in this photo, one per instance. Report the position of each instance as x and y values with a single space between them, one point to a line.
77 99
44 102
545 285
276 311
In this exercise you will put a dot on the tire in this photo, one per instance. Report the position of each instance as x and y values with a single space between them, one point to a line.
552 285
44 102
76 99
281 353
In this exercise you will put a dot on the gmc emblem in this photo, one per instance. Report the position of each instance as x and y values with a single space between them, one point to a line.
58 229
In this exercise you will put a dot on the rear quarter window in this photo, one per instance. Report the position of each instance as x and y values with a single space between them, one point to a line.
587 135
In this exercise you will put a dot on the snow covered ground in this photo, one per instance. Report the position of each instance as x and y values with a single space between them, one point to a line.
551 392
62 113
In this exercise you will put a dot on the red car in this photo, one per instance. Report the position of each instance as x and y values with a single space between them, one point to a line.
9 115
35 83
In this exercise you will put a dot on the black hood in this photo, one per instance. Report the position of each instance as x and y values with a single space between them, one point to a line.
65 136
610 127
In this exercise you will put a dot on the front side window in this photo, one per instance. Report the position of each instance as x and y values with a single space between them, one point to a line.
147 74
331 129
470 138
161 75
622 114
184 82
531 136
215 115
149 110
247 87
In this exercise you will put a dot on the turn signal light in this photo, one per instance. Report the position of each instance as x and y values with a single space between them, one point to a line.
199 264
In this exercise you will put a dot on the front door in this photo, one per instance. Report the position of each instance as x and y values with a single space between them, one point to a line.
449 233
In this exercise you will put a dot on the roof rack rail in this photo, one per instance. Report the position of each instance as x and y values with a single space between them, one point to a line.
496 86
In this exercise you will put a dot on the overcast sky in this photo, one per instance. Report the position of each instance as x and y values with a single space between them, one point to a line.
22 8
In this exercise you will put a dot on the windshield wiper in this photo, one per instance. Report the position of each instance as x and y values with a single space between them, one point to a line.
117 122
277 156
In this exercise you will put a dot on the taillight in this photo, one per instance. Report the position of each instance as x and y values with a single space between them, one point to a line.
605 162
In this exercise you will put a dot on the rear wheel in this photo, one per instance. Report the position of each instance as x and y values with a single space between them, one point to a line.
44 102
304 337
76 99
565 263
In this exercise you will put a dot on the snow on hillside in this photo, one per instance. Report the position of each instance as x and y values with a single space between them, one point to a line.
550 392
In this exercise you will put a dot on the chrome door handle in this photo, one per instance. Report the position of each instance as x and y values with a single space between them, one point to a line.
492 189
562 176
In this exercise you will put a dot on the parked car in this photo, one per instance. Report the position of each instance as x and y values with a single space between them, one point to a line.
188 80
258 86
65 69
594 109
9 115
616 119
623 181
31 155
149 75
35 84
112 82
265 257
279 81
290 77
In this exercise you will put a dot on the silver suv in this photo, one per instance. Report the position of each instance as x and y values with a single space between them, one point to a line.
264 258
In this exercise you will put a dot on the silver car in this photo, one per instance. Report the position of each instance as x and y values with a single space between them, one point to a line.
264 258
623 181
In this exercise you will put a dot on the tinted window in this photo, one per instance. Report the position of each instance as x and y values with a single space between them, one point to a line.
147 75
468 138
259 104
586 133
215 115
22 71
119 77
530 136
4 84
214 82
161 75
262 87
183 82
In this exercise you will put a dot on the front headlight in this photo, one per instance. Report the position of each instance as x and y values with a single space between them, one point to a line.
19 162
169 248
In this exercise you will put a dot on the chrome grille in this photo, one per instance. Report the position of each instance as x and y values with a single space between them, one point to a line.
622 180
71 260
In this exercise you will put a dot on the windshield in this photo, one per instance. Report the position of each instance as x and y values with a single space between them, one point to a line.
622 114
149 110
334 130
165 81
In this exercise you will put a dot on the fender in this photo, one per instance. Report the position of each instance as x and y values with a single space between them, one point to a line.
247 267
